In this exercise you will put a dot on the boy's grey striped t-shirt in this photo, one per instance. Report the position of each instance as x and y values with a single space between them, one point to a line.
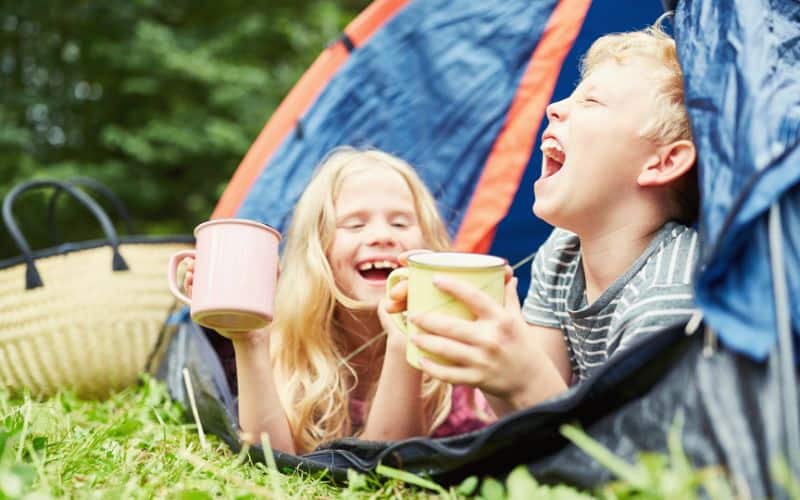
653 294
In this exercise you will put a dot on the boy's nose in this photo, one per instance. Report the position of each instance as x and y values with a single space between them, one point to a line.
556 110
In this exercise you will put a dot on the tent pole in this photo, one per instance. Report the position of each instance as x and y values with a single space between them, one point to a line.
785 347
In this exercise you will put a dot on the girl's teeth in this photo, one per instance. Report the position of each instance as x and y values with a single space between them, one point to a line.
382 264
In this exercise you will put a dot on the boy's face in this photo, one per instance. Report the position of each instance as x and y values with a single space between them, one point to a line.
593 150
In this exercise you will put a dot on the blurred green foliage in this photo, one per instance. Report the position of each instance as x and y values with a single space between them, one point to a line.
158 100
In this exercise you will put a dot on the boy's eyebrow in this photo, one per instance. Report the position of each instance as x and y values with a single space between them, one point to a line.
585 86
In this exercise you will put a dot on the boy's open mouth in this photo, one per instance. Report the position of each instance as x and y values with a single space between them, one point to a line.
554 157
376 270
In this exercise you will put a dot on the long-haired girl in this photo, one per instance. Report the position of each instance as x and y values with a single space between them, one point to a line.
332 363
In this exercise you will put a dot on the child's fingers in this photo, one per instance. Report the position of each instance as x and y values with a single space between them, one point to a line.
399 291
188 281
454 351
444 325
451 374
395 307
396 301
511 297
509 273
403 257
475 299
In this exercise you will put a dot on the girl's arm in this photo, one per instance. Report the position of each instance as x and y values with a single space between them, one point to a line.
396 411
260 408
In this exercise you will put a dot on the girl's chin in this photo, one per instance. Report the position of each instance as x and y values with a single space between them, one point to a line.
372 294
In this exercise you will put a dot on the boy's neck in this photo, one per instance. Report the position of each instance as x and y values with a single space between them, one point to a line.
606 253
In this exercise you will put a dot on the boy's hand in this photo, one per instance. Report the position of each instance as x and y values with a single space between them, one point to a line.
496 352
186 275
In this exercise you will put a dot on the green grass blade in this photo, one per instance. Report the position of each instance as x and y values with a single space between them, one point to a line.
614 464
409 478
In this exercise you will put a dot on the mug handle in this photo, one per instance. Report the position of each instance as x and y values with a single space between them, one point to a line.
172 275
401 273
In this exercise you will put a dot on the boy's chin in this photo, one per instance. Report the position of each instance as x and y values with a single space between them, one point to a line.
541 210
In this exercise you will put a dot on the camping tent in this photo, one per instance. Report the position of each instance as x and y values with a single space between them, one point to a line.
458 88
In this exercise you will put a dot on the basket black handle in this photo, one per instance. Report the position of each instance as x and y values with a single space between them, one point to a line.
97 186
32 277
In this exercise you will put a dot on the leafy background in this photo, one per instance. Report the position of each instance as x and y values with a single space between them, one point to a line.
158 100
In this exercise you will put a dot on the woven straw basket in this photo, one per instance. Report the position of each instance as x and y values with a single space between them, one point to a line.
94 319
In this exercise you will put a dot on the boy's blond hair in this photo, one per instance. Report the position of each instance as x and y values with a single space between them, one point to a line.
313 374
670 120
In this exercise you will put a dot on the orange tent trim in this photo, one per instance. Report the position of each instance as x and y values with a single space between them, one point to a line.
511 151
298 101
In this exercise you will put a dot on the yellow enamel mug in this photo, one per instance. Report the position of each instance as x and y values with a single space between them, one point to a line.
483 271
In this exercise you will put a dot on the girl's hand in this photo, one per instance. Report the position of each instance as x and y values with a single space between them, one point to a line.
395 337
396 302
186 275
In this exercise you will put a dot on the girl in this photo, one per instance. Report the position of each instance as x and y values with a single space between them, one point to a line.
336 360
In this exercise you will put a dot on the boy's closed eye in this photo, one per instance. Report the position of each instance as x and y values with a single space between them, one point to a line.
590 99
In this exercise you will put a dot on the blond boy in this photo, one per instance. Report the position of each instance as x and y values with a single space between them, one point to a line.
618 184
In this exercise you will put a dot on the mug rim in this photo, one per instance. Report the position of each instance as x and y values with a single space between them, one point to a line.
417 260
234 220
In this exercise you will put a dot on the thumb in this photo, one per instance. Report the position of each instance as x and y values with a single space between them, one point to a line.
403 257
511 297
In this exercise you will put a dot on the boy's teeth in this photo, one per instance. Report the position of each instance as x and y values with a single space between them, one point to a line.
553 149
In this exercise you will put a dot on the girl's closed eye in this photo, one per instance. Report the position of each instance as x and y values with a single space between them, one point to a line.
351 224
401 223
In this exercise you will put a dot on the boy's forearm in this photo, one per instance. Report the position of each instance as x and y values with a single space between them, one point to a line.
397 408
550 374
553 343
543 382
260 408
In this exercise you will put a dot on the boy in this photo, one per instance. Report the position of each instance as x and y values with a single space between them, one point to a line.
618 184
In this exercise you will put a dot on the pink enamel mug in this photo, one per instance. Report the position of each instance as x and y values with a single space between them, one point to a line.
235 272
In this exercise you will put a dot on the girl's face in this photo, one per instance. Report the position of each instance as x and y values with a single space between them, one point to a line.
376 219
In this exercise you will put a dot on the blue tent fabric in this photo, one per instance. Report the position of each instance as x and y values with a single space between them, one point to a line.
742 74
433 86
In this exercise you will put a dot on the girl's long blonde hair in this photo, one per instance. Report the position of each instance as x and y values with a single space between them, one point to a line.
313 375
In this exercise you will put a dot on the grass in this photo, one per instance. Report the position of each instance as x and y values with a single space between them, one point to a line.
137 444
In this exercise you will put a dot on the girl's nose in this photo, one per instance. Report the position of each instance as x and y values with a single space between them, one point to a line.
380 233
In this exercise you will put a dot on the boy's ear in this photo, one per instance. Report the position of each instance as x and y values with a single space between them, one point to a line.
669 163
